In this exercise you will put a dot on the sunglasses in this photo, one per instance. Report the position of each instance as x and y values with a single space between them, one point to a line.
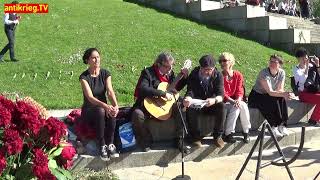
223 60
274 61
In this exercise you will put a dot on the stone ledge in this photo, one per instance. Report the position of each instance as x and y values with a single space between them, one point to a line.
163 155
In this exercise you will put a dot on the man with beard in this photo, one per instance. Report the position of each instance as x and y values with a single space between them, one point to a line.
205 82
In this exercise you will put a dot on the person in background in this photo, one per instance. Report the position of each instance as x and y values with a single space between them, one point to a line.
233 99
205 82
272 7
11 20
268 95
96 112
306 76
284 7
304 9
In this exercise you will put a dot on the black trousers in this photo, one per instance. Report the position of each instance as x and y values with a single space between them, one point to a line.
104 126
140 115
273 109
10 33
217 114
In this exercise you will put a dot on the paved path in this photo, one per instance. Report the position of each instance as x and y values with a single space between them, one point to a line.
304 168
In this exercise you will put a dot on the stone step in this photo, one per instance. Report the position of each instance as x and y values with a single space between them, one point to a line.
163 154
313 48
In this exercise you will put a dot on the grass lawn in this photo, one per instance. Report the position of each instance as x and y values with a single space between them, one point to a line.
50 47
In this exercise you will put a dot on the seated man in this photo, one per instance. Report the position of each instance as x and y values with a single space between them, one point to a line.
206 83
150 78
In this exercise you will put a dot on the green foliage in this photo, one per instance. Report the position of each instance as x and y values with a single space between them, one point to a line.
129 36
316 8
59 172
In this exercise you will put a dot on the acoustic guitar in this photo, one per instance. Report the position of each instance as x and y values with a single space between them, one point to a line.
159 107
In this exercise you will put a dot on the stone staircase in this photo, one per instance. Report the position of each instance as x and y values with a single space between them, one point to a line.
275 30
297 22
163 133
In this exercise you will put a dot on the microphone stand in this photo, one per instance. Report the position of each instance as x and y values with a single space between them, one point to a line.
184 132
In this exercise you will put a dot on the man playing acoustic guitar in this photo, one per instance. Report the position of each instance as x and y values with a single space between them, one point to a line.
147 88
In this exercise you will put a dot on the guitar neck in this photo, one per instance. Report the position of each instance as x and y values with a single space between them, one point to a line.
175 81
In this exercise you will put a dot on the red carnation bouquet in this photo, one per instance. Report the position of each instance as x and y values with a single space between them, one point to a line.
32 146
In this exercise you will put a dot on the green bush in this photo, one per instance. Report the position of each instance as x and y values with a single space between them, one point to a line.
316 8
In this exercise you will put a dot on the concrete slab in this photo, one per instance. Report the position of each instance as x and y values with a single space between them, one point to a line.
164 155
290 36
266 23
305 167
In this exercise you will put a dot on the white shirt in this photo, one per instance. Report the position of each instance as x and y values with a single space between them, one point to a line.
6 19
300 76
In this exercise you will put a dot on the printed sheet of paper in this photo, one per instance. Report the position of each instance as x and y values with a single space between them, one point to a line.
197 103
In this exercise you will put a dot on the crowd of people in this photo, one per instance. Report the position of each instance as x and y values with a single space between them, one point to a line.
286 7
222 92
289 7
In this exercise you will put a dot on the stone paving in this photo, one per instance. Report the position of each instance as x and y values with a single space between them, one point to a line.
304 168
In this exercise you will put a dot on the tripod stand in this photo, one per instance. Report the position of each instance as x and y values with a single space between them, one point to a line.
184 132
274 162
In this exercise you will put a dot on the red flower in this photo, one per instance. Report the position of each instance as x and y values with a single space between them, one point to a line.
40 166
8 104
27 118
55 130
5 116
13 143
67 155
3 163
73 116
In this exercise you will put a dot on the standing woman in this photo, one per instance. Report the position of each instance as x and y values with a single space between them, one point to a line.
269 97
96 84
233 99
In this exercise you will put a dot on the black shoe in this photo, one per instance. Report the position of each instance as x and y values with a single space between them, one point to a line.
229 139
104 153
314 123
112 151
14 60
146 147
246 138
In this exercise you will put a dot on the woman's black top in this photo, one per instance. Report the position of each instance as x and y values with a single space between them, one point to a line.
97 86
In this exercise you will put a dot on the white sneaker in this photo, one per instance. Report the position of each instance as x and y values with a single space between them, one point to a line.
276 132
283 130
112 151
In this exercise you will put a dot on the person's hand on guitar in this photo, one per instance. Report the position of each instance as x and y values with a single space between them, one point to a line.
168 96
210 102
186 101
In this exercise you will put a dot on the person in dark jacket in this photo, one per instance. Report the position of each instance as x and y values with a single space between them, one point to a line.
312 91
205 82
150 78
11 20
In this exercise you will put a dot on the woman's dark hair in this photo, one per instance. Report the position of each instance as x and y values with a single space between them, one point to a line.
301 52
87 54
14 2
278 57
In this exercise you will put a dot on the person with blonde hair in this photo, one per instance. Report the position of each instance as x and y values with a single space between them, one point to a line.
233 99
